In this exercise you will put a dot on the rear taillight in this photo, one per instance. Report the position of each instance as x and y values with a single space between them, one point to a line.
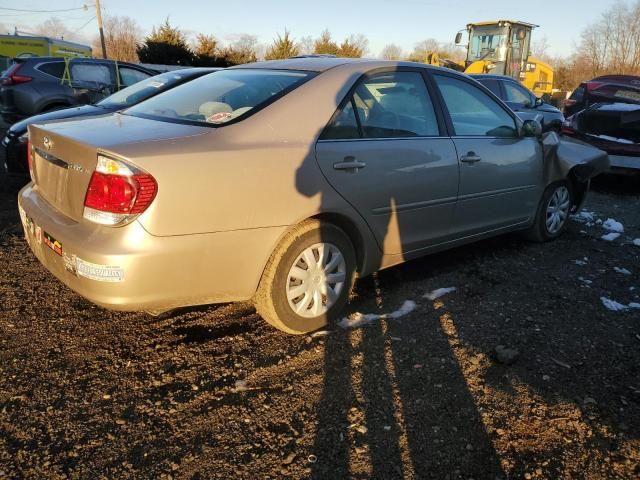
11 76
117 192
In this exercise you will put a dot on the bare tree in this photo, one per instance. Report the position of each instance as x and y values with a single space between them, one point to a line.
122 35
612 44
54 28
540 49
306 45
392 52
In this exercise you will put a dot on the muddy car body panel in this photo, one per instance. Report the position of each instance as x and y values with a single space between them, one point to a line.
229 178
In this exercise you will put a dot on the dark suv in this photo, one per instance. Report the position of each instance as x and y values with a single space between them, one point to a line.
39 84
605 89
520 99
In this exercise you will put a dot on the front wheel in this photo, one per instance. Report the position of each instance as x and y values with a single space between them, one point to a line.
553 212
308 279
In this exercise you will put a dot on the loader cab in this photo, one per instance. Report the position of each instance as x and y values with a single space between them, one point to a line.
499 48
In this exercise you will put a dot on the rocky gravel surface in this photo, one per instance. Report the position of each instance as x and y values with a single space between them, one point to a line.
522 371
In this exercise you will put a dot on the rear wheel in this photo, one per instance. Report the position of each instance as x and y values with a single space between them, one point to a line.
553 212
307 281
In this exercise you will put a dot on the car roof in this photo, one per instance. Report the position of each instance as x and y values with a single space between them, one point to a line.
322 64
630 80
480 76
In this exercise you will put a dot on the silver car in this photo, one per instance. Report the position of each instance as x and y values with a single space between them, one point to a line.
281 181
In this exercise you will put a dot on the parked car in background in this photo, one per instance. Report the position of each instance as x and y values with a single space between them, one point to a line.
521 99
612 127
14 143
278 181
38 84
605 89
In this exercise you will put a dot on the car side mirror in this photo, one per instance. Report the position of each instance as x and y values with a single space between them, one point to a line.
538 102
531 128
458 37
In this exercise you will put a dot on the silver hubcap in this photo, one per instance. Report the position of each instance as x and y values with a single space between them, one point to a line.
557 209
316 280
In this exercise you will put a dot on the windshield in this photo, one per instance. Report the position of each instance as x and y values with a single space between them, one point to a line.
145 89
488 42
220 97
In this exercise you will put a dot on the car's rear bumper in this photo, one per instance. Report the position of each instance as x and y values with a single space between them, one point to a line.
127 268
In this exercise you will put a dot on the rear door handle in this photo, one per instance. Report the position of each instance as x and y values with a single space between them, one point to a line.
470 157
350 163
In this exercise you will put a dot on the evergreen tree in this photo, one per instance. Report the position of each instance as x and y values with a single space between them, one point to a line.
325 45
283 47
167 45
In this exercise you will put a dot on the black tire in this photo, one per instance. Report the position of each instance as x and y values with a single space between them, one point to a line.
539 231
271 298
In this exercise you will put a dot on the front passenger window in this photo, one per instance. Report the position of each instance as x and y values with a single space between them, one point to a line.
386 105
517 94
472 111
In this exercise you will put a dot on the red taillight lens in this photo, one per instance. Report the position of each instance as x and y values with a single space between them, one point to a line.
110 193
12 78
113 197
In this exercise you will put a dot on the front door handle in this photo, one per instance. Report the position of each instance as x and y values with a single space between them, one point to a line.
470 157
350 163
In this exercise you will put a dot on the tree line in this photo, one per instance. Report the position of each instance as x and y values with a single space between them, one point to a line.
609 45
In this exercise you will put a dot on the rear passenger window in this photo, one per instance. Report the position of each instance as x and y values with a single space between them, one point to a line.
387 105
93 74
472 111
129 76
343 125
492 85
52 68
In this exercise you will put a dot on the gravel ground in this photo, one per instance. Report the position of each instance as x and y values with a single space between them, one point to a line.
213 392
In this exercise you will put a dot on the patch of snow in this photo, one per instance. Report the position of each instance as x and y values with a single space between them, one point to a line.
320 333
599 222
613 225
359 319
623 271
585 280
617 306
584 217
610 237
613 305
439 292
636 242
582 263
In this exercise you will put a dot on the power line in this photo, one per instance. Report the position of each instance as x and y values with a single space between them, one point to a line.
84 7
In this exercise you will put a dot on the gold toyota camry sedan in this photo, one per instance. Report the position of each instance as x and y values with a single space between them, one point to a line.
281 181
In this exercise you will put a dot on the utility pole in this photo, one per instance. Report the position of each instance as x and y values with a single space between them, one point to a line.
99 18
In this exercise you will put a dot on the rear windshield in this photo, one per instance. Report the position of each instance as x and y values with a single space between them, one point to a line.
140 91
220 97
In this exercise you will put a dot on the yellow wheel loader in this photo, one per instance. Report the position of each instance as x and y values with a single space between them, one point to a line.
502 48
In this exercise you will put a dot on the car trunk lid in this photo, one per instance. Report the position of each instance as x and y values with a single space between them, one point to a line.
65 153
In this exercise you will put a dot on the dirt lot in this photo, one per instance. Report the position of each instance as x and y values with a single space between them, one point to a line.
213 392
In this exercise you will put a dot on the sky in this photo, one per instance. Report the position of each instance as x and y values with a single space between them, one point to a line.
403 22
